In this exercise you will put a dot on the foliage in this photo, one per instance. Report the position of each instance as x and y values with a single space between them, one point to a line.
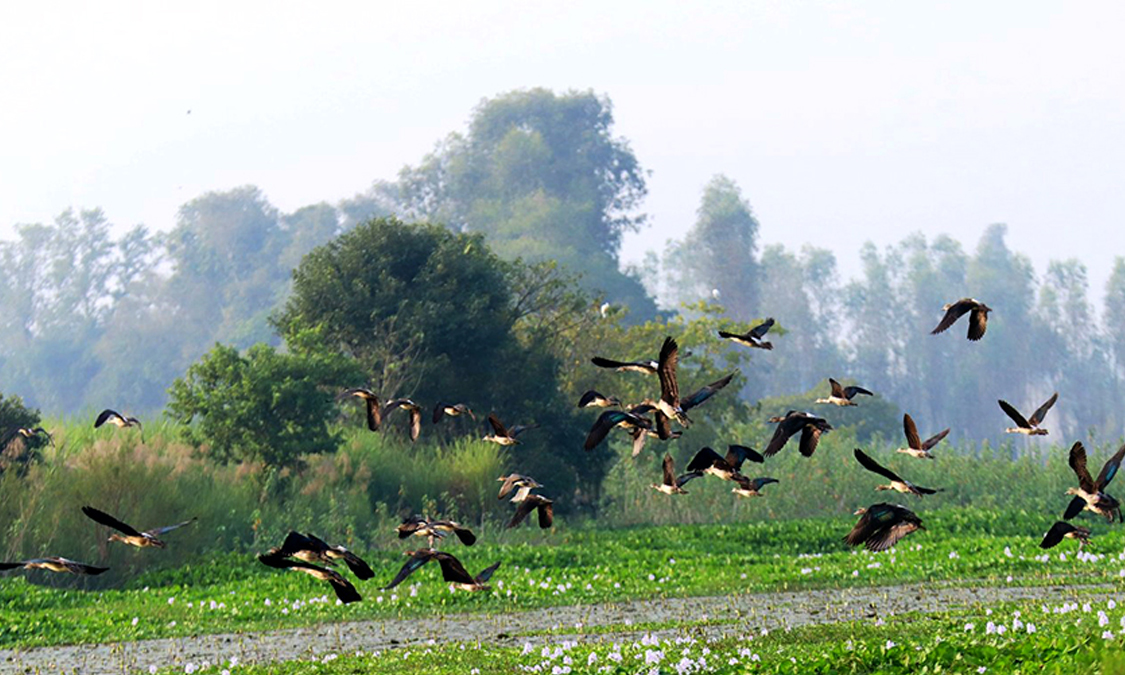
18 451
264 407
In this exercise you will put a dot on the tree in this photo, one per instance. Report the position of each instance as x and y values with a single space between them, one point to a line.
263 406
542 176
17 451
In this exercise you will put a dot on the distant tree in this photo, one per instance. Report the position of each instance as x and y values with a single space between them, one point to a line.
542 176
1115 313
263 406
719 252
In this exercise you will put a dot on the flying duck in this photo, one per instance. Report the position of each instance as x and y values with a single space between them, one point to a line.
978 320
531 503
882 525
750 487
118 420
1090 494
663 432
704 393
897 484
646 367
841 395
420 526
523 485
411 407
129 535
451 570
669 402
54 564
915 446
344 589
752 337
27 433
1063 530
672 484
592 399
1029 426
810 426
610 419
453 410
502 435
707 461
312 549
374 414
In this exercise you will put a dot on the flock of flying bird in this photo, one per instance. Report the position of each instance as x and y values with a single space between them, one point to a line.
880 525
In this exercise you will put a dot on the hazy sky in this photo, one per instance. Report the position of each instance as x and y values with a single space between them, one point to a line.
841 122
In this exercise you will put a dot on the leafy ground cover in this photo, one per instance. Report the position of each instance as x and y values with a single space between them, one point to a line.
231 593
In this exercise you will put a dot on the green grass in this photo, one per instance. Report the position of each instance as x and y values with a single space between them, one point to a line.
232 592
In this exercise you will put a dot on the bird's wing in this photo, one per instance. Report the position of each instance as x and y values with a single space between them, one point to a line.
666 370
863 528
464 534
689 476
1019 419
978 323
358 566
1074 507
1110 469
295 541
761 329
889 536
758 483
602 426
520 428
496 425
546 514
837 389
486 573
157 531
415 423
4 566
704 393
704 459
850 392
955 311
588 398
669 470
453 570
345 591
418 559
780 437
374 416
935 439
105 416
522 509
608 363
810 437
75 567
1078 464
509 483
737 454
109 521
911 430
640 436
875 467
1037 417
1054 535
439 412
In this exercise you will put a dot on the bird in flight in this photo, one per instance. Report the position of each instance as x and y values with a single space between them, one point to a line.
420 526
312 549
1090 494
452 410
750 487
881 526
118 420
374 411
503 435
978 317
411 407
810 426
592 399
915 446
452 570
534 502
841 395
752 337
898 484
672 484
130 535
343 588
1064 530
1029 426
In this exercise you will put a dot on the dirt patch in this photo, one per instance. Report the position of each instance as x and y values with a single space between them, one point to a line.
743 613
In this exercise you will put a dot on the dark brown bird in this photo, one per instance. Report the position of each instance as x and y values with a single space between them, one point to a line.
129 535
452 410
915 446
646 367
420 526
374 411
344 589
841 395
978 319
881 526
523 485
452 570
750 487
1090 494
531 503
1030 426
810 426
53 564
610 419
411 407
669 402
27 432
503 435
312 549
898 484
752 337
673 485
592 399
118 420
704 393
1063 530
707 461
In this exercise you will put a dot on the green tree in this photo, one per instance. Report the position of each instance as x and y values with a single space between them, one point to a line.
263 406
16 450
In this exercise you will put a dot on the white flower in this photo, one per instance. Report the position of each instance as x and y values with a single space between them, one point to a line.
982 668
189 668
1112 604
1030 628
1108 635
969 626
135 620
890 644
151 669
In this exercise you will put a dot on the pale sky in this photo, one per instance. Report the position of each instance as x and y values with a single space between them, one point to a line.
842 122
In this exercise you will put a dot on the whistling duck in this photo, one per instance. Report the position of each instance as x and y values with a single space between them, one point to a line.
726 468
752 337
129 535
27 432
1030 426
672 484
411 407
898 484
610 419
841 395
118 420
750 487
978 320
451 570
810 426
1063 530
420 526
1090 494
453 410
515 481
704 393
502 435
312 549
881 526
663 432
531 503
915 446
344 589
592 399
53 564
669 401
646 367
374 412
